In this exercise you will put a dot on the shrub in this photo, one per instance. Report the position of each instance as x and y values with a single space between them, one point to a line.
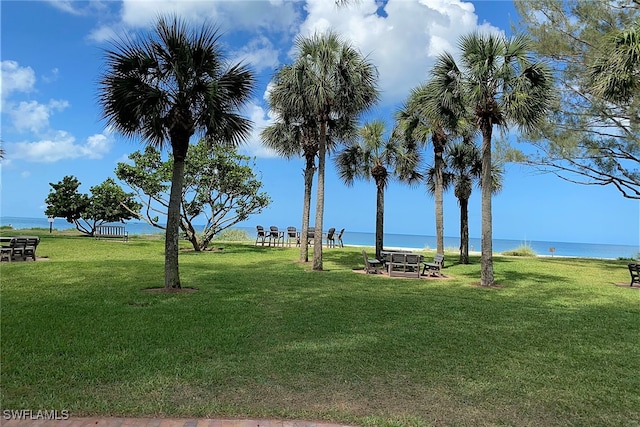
522 250
232 235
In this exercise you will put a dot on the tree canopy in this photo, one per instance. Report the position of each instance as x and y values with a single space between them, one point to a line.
220 188
108 202
593 136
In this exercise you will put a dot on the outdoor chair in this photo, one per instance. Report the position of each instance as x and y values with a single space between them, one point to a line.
311 235
435 267
6 252
371 265
275 236
634 270
293 234
262 236
331 238
340 244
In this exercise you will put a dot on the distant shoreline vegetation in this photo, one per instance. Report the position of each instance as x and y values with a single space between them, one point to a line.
391 240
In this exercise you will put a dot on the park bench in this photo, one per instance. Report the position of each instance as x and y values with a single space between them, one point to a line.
111 231
404 265
634 270
435 267
19 248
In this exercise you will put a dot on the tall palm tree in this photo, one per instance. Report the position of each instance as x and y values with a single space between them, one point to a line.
167 86
296 133
463 168
502 86
426 114
374 157
337 83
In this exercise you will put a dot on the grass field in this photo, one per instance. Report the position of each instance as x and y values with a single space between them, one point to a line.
263 336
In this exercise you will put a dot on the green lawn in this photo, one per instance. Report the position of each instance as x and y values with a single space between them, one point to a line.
558 344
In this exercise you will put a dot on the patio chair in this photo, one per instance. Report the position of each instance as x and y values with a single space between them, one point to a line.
371 265
293 234
261 236
340 244
634 270
275 236
331 238
435 267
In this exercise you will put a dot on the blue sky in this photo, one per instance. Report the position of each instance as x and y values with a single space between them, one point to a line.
52 56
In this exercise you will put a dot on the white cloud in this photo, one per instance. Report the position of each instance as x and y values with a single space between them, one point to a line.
16 79
260 119
259 53
60 146
231 15
403 44
33 116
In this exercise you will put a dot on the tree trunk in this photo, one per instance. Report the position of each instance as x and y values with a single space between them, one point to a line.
464 231
171 271
439 139
306 208
379 220
486 271
191 234
317 241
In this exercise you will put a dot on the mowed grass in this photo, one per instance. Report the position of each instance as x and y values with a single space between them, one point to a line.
557 344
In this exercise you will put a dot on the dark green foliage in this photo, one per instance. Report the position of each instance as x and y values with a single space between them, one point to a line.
108 202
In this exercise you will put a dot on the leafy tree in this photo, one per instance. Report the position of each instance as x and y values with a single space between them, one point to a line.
334 82
501 85
108 203
593 135
167 86
377 158
219 185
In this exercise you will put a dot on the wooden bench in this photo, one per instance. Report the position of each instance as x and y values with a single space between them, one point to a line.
371 265
19 247
404 265
634 270
434 268
111 231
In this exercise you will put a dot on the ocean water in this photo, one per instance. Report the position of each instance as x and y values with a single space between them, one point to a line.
564 249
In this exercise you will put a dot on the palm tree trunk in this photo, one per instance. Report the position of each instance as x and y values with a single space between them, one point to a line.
306 208
438 149
171 271
464 231
486 270
317 241
379 220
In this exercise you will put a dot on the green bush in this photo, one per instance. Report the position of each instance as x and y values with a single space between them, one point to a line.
522 250
232 235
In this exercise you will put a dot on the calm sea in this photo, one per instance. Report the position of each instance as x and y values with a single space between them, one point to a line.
583 250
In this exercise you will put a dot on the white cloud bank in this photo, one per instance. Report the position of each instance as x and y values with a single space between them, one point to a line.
32 117
60 146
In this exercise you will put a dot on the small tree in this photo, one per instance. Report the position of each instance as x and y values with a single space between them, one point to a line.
108 203
219 185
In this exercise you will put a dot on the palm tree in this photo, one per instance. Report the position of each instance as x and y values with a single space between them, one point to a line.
425 113
371 157
615 73
168 86
502 86
336 84
464 167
